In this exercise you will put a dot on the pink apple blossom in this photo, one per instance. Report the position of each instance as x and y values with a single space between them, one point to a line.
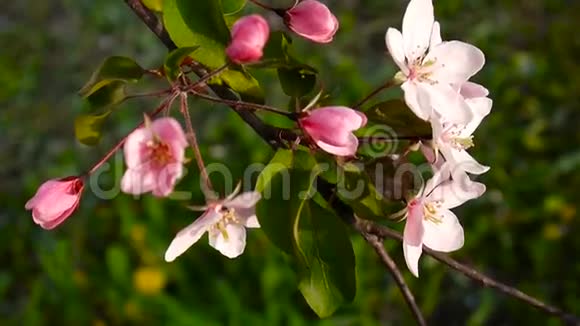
55 201
331 129
429 219
312 20
225 221
249 36
430 68
154 155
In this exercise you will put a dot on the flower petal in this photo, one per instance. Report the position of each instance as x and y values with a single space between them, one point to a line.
459 190
137 182
394 41
473 90
435 35
454 62
440 176
481 107
447 102
169 131
231 242
462 160
191 234
422 110
134 148
445 236
166 178
417 26
252 222
349 149
244 200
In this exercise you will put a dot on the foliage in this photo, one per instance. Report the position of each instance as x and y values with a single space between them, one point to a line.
105 265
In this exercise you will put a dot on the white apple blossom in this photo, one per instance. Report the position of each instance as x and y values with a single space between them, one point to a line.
453 139
225 222
429 220
431 69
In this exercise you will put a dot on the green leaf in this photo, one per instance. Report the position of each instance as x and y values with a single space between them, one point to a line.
282 160
112 70
155 5
88 128
297 81
173 60
396 115
230 7
327 274
107 96
198 23
201 23
358 191
243 83
314 236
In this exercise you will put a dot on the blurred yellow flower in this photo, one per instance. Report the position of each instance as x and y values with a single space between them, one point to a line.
149 280
552 231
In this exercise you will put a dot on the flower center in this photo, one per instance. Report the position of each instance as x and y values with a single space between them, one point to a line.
421 71
159 153
454 138
430 212
228 217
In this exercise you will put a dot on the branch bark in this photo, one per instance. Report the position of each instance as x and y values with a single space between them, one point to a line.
377 244
369 227
372 232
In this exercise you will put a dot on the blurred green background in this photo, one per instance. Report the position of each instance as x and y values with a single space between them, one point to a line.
105 266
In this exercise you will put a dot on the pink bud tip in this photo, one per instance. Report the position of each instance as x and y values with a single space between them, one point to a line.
331 129
312 20
55 201
249 36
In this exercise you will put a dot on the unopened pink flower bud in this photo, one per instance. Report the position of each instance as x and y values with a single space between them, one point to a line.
312 20
249 36
331 129
55 201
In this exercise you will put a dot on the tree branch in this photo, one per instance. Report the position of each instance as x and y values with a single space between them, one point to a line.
386 259
367 228
268 133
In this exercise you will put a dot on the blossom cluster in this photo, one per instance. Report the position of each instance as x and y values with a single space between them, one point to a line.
434 77
435 80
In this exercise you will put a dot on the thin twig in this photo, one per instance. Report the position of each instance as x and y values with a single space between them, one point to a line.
368 227
379 89
290 115
386 259
208 189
